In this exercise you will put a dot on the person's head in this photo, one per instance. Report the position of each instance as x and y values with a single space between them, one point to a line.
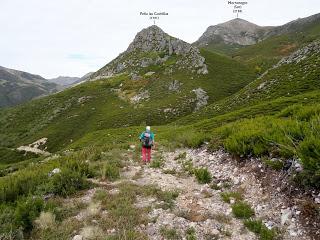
148 128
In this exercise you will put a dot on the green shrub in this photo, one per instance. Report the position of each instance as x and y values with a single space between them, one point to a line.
190 138
191 234
66 182
274 164
76 165
21 183
8 155
9 227
309 152
27 210
296 136
260 229
111 171
262 136
203 175
242 210
156 163
35 178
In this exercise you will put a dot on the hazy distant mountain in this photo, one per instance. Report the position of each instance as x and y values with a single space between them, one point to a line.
64 80
18 87
237 33
84 78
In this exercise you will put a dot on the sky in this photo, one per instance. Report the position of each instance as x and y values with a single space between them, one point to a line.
73 37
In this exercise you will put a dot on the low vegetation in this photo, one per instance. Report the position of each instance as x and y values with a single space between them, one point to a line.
293 133
170 234
242 210
203 175
258 227
228 196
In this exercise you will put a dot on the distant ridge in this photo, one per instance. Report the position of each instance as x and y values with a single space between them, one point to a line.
17 87
243 33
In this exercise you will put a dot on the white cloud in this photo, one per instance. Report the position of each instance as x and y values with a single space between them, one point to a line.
39 36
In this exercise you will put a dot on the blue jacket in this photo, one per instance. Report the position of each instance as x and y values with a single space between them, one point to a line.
151 135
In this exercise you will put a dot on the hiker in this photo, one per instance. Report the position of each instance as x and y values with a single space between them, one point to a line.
147 140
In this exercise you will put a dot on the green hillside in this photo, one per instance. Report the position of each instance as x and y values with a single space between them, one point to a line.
265 54
282 41
299 75
88 179
105 103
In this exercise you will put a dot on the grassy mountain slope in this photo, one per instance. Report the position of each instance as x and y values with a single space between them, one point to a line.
268 52
274 120
106 103
298 75
276 44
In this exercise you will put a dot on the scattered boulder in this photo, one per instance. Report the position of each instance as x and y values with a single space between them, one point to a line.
311 49
35 147
201 98
174 86
139 97
54 171
286 216
149 74
77 237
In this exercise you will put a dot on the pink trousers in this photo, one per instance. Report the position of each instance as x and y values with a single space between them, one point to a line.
146 154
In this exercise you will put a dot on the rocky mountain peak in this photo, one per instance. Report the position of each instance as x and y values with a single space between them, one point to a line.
152 38
152 46
155 39
241 32
239 24
236 31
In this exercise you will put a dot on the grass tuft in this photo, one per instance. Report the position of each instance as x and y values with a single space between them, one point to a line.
260 229
242 210
203 175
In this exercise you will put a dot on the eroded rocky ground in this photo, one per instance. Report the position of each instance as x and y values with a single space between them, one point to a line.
198 211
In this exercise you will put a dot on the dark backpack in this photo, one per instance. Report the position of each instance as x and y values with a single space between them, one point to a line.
146 140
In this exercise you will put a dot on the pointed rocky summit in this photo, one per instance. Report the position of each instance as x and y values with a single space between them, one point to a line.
152 46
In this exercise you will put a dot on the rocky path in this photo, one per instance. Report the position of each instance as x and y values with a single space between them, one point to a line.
199 211
202 208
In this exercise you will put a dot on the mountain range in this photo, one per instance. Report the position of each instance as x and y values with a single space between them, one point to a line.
232 38
17 87
163 78
242 103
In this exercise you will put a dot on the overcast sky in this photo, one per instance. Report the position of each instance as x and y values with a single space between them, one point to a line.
73 37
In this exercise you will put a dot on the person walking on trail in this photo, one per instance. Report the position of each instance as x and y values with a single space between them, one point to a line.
147 140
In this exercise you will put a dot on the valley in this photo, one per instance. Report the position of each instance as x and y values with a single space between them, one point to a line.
236 118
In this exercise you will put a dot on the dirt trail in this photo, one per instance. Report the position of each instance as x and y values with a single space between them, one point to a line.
200 206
